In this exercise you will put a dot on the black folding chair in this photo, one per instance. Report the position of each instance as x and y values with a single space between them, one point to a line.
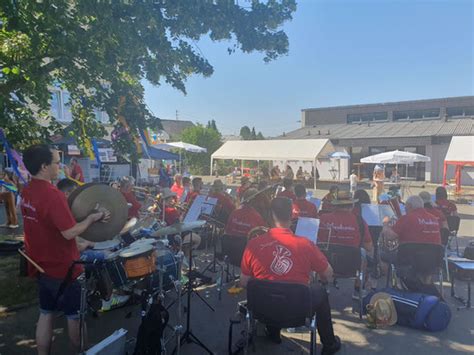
280 305
414 259
453 226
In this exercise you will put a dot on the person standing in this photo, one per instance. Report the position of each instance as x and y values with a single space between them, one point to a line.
353 180
76 170
8 198
378 183
50 232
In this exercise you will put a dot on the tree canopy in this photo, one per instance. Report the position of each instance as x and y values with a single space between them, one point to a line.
248 134
100 51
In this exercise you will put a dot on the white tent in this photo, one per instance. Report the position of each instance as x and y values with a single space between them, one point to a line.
460 154
275 149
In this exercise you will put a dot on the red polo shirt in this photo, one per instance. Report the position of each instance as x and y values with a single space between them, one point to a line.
224 202
438 214
304 208
133 210
418 226
77 171
243 220
344 229
447 207
240 191
282 256
178 189
287 193
190 197
171 215
45 215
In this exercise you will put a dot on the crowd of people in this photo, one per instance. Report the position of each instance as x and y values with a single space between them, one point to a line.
51 233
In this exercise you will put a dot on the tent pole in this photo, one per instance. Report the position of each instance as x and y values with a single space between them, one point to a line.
212 163
445 171
258 170
314 174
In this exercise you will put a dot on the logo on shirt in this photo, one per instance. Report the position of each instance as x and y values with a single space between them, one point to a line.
281 263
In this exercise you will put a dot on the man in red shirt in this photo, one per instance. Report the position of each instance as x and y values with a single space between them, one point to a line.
197 187
76 170
244 185
126 188
288 192
225 205
282 256
244 219
326 205
50 232
178 187
301 206
172 214
431 208
446 206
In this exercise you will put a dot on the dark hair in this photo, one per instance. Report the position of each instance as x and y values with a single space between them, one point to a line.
300 190
362 196
35 156
281 208
287 182
333 188
441 193
74 160
186 180
262 185
66 185
196 181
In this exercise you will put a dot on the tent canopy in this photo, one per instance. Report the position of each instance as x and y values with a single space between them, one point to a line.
159 154
461 150
182 145
275 149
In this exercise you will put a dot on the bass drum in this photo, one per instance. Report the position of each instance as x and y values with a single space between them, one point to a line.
167 265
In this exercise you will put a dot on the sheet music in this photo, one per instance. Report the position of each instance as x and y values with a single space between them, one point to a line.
201 205
309 194
403 210
315 201
112 345
373 215
308 228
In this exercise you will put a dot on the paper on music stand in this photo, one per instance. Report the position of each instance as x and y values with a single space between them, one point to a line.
201 205
315 201
114 344
373 215
309 194
403 210
308 228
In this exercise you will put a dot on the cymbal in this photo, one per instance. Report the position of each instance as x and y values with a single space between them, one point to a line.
83 202
129 225
178 228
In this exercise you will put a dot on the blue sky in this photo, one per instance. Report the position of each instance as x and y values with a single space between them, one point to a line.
341 53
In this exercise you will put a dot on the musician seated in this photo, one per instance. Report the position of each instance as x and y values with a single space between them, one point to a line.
275 173
178 187
288 192
244 185
326 205
225 205
126 188
280 255
171 213
446 206
417 226
301 206
431 208
197 187
344 227
186 189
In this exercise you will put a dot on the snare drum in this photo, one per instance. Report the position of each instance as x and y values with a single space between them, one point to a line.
167 264
138 261
116 272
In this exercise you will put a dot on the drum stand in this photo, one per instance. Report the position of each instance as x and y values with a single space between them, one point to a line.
82 312
188 335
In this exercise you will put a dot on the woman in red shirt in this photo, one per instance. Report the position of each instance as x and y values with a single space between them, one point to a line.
448 208
178 187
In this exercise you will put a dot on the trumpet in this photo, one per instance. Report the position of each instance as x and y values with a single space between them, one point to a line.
257 231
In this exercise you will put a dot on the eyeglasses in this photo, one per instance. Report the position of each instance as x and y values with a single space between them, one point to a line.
56 162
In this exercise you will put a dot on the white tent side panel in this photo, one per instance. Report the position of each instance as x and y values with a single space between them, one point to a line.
461 149
282 149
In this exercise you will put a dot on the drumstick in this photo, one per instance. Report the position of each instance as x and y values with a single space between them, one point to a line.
40 269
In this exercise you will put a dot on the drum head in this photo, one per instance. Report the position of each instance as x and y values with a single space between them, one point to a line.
108 244
144 241
136 250
83 202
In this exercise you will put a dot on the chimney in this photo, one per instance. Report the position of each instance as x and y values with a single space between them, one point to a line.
319 132
329 132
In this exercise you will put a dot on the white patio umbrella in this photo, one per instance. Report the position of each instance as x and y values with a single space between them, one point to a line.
182 145
339 156
395 157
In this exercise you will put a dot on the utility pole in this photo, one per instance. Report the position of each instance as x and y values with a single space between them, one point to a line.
177 116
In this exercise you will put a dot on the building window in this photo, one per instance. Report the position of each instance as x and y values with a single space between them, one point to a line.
460 111
416 114
367 117
377 150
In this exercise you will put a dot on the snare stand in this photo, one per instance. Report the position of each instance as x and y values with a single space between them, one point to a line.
188 335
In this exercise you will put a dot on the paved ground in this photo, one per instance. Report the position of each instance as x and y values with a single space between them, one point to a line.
17 330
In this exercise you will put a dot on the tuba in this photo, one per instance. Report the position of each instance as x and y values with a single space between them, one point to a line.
257 231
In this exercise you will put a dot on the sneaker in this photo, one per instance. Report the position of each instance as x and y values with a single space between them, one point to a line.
334 348
13 226
114 302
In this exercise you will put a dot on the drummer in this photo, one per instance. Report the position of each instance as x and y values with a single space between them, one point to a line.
50 230
126 188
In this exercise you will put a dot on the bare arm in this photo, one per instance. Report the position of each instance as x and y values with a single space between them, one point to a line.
244 279
327 274
80 227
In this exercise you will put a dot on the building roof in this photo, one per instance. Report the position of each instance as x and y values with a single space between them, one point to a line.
175 127
426 128
296 149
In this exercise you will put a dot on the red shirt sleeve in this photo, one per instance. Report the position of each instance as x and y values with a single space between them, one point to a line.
398 228
318 260
245 264
59 213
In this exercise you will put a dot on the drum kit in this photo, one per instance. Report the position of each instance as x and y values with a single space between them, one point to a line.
129 257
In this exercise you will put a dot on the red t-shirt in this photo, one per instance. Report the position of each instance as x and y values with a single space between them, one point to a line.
171 215
447 207
282 256
437 213
190 197
287 193
178 189
133 210
224 202
45 215
344 229
77 171
326 204
243 220
418 226
304 208
240 191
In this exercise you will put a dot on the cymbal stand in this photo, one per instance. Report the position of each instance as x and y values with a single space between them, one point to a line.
188 335
82 312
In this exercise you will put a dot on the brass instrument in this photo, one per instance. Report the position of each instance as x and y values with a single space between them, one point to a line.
257 231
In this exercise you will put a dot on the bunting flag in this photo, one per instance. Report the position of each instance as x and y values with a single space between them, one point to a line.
96 152
13 162
8 186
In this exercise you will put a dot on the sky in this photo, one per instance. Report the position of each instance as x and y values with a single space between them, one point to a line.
340 53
